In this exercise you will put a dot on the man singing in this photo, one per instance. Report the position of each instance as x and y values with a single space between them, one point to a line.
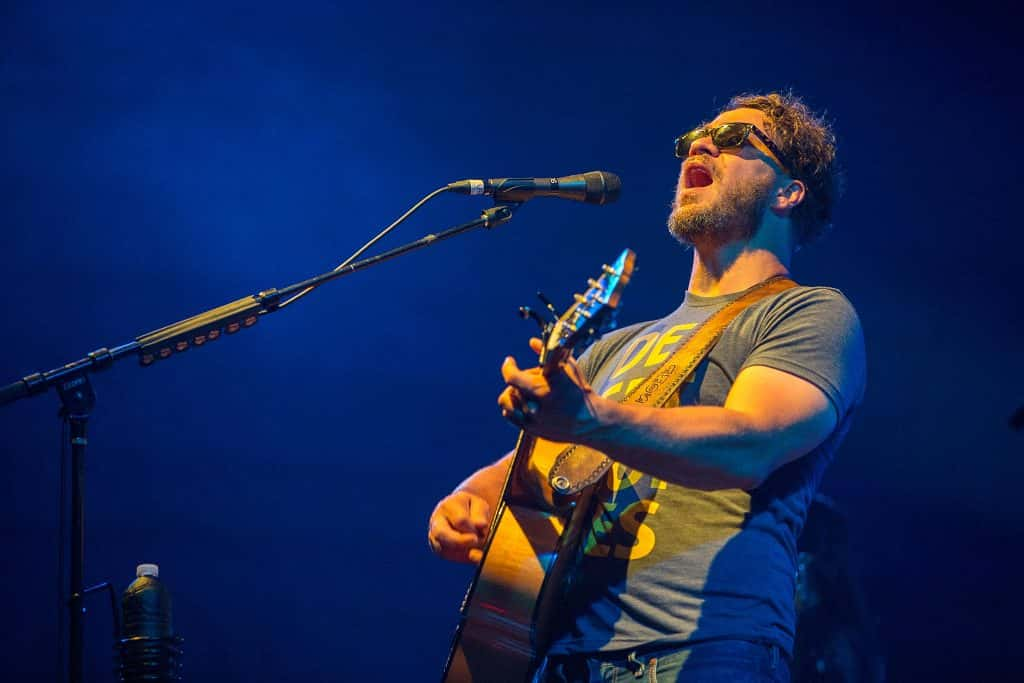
687 570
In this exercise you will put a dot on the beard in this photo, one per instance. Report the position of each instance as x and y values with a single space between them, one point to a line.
734 215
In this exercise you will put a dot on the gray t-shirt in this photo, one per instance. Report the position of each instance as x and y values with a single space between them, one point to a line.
667 564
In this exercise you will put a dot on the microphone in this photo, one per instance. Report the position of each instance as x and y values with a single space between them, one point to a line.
594 187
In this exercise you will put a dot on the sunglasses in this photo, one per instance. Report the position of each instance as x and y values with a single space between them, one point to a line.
727 136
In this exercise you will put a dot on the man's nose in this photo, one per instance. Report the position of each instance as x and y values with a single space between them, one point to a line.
703 145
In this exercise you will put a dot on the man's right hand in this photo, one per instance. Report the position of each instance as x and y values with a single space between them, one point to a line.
458 527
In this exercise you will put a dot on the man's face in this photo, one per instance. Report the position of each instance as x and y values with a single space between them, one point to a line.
722 194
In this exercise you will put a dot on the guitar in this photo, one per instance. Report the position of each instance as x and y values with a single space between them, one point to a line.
502 633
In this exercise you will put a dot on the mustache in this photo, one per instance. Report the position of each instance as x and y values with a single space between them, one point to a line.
707 162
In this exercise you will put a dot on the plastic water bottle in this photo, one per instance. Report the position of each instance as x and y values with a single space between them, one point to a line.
149 650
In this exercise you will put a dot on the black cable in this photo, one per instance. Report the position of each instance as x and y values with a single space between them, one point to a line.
115 612
61 531
369 244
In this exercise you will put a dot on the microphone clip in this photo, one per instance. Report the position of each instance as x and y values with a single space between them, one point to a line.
499 213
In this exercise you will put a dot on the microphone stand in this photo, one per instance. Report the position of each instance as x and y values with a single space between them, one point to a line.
78 399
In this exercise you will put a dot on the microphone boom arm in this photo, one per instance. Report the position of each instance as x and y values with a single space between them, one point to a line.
229 318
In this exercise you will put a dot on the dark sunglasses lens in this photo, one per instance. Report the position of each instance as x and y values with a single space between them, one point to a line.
683 142
730 135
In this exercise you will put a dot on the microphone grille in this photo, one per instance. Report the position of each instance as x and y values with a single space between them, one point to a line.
602 187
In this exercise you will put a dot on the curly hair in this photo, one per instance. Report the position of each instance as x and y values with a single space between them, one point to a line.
809 145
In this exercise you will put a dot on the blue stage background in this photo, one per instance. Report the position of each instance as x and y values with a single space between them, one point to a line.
159 160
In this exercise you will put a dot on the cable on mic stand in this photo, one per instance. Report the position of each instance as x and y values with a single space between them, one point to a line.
358 252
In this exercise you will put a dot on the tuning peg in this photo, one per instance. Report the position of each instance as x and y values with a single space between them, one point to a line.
548 305
525 312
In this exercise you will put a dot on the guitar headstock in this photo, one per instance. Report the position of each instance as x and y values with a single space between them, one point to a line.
593 312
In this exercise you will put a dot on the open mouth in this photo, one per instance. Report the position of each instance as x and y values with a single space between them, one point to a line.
697 176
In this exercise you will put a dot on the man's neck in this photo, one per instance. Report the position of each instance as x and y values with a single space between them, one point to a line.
734 267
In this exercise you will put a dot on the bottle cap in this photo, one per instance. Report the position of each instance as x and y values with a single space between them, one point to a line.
147 570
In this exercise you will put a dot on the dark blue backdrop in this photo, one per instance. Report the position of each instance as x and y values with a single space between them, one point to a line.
158 161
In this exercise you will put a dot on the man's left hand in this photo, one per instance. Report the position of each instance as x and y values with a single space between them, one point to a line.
559 407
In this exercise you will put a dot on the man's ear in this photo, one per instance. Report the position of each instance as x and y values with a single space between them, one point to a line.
789 197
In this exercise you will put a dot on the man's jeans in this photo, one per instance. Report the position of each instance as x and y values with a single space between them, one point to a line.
720 661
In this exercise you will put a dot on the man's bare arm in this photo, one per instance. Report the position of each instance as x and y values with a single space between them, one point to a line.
770 417
459 523
487 481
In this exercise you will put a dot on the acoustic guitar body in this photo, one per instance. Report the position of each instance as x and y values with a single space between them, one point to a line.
503 631
506 616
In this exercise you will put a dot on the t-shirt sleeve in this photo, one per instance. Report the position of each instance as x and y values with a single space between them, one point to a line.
815 334
594 355
586 363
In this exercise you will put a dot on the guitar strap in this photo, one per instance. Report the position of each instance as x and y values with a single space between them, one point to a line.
577 467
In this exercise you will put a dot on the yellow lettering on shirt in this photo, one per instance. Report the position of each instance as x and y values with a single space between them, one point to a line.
632 522
612 390
644 343
656 348
622 476
659 355
617 387
629 521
